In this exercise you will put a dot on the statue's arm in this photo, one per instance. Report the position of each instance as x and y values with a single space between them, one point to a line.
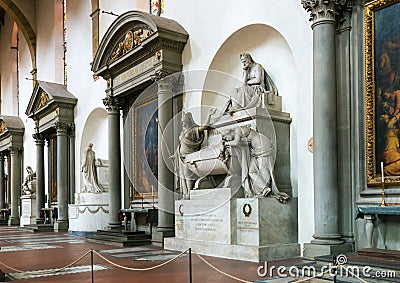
257 75
207 122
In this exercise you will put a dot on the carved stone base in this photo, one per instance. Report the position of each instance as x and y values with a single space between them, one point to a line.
28 203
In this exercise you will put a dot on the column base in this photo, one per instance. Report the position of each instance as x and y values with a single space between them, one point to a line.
312 250
61 226
13 221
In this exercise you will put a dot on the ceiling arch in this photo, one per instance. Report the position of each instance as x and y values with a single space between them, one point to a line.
23 25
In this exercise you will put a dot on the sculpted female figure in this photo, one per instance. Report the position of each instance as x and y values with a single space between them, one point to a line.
190 140
90 181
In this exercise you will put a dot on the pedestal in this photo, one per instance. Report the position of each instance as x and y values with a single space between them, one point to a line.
28 210
220 222
89 213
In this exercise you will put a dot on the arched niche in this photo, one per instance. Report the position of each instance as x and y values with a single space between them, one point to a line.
267 47
95 131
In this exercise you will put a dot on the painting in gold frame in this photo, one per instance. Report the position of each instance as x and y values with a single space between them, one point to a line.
146 150
382 85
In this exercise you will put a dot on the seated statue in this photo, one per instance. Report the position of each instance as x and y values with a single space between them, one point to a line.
29 184
90 180
257 87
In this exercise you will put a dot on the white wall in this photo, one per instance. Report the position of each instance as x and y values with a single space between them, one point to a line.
210 27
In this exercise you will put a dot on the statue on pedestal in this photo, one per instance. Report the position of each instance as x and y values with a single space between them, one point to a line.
89 171
257 163
257 89
29 184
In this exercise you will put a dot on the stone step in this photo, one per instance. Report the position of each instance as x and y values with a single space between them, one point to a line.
3 222
380 253
38 228
120 238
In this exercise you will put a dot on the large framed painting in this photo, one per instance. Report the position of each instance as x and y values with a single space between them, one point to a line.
382 84
146 150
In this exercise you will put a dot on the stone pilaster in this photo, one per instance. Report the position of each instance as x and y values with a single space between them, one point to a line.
114 157
71 143
62 177
165 144
40 195
325 158
15 186
2 183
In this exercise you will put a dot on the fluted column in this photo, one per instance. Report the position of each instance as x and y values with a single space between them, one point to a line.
15 186
62 177
114 157
2 183
40 197
326 208
165 143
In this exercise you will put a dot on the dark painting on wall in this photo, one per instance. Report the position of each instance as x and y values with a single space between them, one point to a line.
146 150
382 84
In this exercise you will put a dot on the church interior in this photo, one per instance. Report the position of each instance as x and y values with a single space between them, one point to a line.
159 140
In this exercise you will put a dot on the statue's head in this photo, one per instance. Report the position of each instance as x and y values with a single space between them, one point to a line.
90 145
246 59
29 169
187 120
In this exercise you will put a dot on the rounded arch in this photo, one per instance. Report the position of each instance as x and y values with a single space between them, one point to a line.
95 131
24 26
268 47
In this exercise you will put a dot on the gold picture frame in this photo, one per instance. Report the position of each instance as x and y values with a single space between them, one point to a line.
382 90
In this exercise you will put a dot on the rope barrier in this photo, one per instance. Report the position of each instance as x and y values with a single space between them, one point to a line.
140 269
165 263
220 271
46 272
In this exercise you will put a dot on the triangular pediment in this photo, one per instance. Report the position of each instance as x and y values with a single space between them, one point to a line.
46 96
11 132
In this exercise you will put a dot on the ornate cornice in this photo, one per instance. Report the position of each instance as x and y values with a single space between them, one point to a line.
112 103
323 10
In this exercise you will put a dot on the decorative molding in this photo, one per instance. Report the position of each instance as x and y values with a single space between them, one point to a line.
323 10
44 100
39 138
131 40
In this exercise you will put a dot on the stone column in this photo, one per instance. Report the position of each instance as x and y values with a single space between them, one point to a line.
15 186
326 208
71 143
165 144
2 183
40 198
49 171
114 157
62 178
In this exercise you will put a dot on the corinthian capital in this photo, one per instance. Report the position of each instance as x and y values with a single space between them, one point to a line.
323 9
111 103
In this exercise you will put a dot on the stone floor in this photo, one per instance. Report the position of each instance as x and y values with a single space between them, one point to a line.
40 255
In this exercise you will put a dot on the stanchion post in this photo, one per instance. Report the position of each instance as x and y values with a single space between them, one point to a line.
91 258
190 265
334 268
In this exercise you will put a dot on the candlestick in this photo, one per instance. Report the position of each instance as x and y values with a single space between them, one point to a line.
383 203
